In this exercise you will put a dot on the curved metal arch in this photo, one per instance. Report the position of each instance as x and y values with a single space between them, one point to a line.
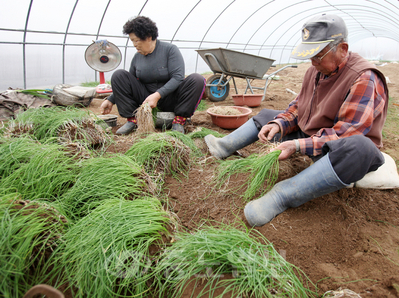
102 19
289 30
270 18
178 28
24 43
347 14
329 5
357 33
378 30
294 33
383 30
287 47
383 14
262 46
291 47
377 22
64 41
374 2
292 26
359 36
397 8
301 11
238 29
214 21
98 32
127 40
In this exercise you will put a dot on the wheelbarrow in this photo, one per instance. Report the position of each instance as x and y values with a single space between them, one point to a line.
228 64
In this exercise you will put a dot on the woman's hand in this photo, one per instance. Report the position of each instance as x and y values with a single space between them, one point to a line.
153 99
268 131
106 107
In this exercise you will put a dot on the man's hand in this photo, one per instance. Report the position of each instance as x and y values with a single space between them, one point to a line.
287 149
106 107
268 131
153 99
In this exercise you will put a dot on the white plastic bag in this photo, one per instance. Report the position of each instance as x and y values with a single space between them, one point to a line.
386 176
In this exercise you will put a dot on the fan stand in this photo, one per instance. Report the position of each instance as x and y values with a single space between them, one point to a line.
103 87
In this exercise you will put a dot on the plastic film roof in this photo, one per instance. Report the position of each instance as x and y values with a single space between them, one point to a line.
43 41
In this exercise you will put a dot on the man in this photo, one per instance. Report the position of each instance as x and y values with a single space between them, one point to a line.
336 119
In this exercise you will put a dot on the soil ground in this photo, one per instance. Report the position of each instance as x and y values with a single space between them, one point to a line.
348 239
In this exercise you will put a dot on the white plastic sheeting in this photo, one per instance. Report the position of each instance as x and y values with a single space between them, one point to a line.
43 41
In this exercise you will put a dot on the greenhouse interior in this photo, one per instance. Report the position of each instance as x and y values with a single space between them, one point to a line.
45 42
199 148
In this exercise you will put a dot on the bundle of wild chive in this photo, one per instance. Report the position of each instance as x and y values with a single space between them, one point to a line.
258 168
145 120
66 124
198 138
101 178
186 140
106 253
15 152
36 170
161 154
202 132
29 233
227 260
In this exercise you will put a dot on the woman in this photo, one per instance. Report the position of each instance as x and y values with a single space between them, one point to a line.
156 77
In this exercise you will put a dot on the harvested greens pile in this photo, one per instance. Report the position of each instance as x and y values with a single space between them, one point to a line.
30 231
97 224
229 260
60 124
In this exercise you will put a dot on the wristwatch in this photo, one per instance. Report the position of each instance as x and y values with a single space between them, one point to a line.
298 148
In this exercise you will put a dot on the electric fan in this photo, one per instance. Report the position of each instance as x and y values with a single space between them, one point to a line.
103 56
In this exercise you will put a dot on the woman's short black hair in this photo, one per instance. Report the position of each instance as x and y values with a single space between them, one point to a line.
142 27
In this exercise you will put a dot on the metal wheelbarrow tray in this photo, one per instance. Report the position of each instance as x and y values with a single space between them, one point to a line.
231 63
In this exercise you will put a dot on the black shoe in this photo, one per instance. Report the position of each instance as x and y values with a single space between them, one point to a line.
127 128
178 127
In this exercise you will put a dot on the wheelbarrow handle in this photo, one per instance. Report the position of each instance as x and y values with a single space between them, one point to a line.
267 77
210 55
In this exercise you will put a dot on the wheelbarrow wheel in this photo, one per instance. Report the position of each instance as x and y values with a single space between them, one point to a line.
217 93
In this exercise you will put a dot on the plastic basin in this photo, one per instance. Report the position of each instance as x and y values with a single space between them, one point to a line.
230 121
253 100
250 100
164 119
109 119
238 99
